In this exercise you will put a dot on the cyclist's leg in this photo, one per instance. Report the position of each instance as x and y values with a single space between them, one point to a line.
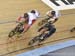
21 30
42 34
33 21
26 27
51 31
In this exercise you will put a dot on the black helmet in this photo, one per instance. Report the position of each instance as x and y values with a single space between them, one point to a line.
26 15
33 11
53 12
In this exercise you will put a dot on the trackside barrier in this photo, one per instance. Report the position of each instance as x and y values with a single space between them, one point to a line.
46 49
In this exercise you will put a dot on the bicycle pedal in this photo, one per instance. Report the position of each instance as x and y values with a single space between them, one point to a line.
29 43
39 44
42 38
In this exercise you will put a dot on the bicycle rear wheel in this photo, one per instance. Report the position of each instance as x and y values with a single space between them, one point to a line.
34 41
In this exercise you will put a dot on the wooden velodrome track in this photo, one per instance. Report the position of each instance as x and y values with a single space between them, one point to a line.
11 9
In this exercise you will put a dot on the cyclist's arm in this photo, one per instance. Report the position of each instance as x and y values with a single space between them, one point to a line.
55 20
20 18
48 17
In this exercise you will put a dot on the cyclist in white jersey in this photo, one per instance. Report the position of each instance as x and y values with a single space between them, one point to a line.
31 17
